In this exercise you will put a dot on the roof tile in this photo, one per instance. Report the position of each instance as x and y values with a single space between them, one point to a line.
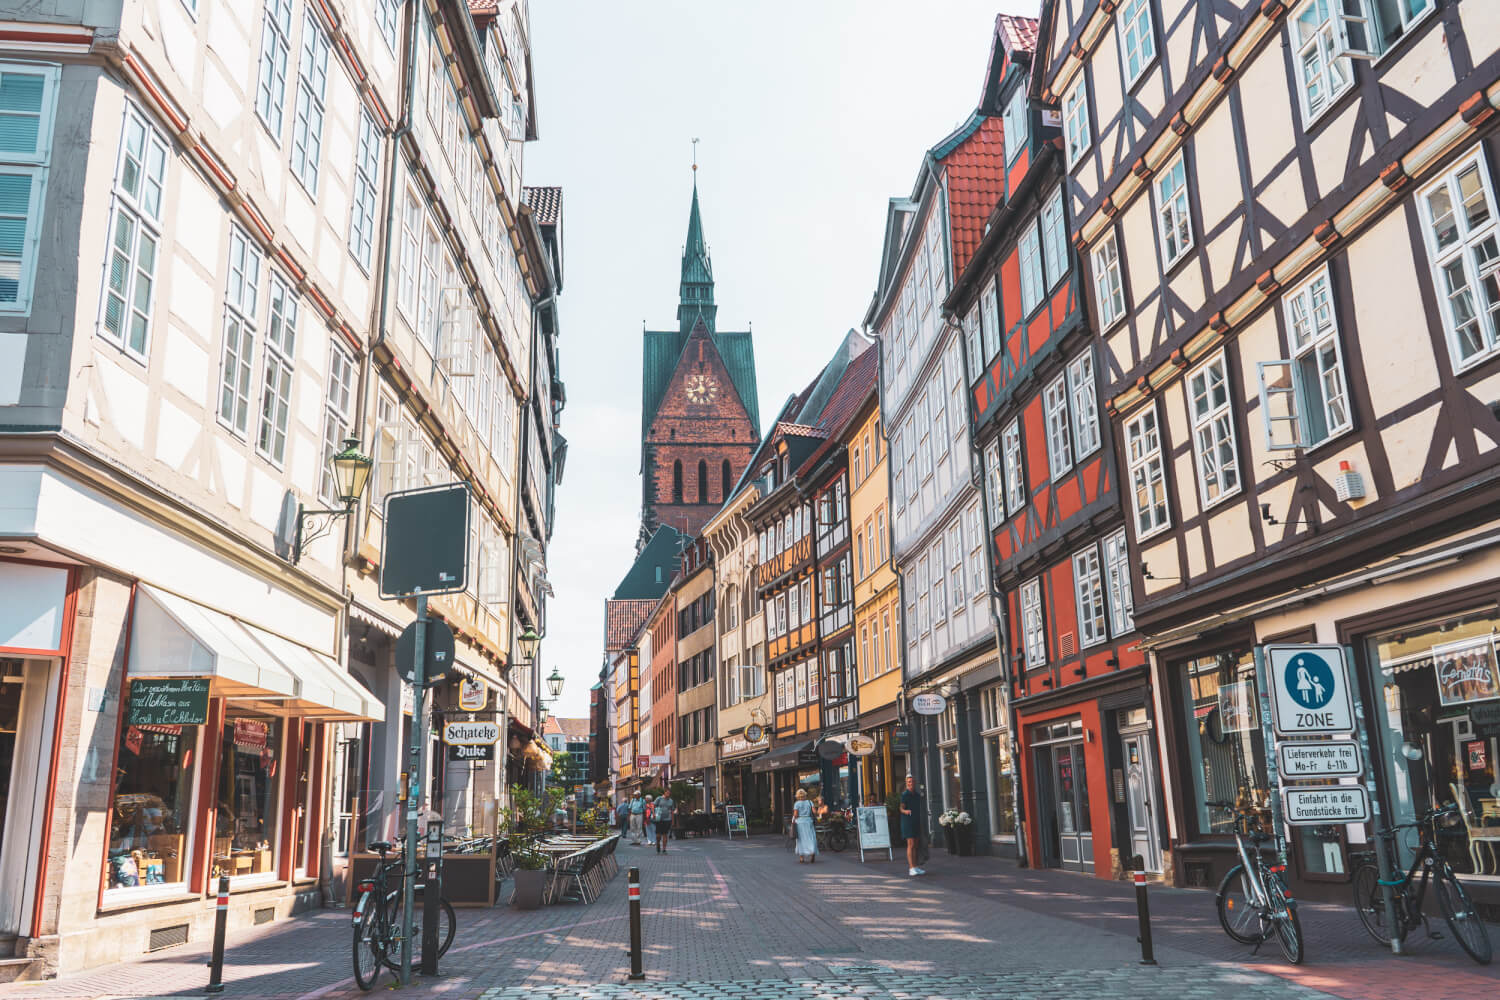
546 204
976 181
623 619
1019 33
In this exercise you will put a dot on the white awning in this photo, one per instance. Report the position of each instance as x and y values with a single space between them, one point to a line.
174 637
377 621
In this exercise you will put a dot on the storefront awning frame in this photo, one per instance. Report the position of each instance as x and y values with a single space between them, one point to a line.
781 757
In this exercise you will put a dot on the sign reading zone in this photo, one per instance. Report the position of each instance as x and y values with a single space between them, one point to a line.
1309 690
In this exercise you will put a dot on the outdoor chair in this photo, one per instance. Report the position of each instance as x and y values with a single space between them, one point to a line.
1488 836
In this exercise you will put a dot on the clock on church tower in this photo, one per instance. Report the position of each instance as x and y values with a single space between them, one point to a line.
702 389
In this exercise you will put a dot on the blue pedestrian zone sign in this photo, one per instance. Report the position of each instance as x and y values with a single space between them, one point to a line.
1310 693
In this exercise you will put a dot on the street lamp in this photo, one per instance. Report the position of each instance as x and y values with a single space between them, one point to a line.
555 683
351 472
541 712
528 642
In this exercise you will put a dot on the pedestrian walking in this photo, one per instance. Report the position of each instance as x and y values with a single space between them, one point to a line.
637 819
661 814
622 815
807 833
911 811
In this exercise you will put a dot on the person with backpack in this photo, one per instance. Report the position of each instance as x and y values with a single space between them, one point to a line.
661 815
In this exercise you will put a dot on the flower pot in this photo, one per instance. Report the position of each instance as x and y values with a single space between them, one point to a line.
950 840
964 836
528 892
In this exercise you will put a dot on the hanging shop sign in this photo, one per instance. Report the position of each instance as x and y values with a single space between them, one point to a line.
1317 805
1237 708
860 745
467 752
755 732
642 761
929 704
661 758
473 695
1309 690
830 749
251 734
472 734
1466 671
1327 759
901 740
176 701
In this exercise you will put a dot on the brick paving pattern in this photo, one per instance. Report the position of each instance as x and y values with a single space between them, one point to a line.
744 920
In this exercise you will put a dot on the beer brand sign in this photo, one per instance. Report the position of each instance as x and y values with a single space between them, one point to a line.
1466 671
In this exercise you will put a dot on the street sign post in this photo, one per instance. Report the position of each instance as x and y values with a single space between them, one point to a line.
1324 759
1320 805
424 551
1310 690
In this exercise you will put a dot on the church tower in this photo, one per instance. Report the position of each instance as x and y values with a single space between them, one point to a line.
700 420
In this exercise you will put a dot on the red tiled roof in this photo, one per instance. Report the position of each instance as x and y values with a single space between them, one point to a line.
623 619
1019 33
477 7
546 204
976 181
576 729
856 385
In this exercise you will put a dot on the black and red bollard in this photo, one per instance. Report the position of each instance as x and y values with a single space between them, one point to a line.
1143 910
221 917
635 925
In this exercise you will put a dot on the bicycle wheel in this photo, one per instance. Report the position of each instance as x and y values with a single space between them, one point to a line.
447 926
1467 925
368 949
1238 913
838 839
1370 904
1284 916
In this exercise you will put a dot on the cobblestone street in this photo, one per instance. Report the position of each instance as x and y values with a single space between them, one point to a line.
743 920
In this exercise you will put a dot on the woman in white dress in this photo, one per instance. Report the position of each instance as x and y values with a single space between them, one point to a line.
807 834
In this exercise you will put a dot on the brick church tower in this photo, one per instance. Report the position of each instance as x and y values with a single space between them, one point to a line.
700 420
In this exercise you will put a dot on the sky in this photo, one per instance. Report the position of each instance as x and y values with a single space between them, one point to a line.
811 116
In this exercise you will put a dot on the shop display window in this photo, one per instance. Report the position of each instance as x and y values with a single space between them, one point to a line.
249 790
1226 753
1002 788
151 807
952 789
1438 692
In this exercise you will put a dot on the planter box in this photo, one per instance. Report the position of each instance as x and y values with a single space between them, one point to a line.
528 891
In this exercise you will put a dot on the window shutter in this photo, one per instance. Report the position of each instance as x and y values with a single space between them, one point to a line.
1278 405
1356 34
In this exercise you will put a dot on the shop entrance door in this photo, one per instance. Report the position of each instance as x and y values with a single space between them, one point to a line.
1140 780
25 729
1066 833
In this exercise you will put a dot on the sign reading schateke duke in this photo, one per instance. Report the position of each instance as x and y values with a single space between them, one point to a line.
471 734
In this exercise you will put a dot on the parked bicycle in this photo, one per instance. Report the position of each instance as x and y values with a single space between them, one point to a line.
1253 901
377 921
1410 891
833 833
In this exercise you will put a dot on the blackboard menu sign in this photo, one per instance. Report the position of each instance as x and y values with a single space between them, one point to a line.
176 701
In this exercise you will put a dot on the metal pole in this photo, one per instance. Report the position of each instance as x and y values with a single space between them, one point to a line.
221 918
1268 747
414 789
1143 910
431 892
1383 862
635 925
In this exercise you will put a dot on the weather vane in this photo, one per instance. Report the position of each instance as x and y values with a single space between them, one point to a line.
695 154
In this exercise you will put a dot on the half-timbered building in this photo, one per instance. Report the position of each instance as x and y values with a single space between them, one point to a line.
697 666
1287 212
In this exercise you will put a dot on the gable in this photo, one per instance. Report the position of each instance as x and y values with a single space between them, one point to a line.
663 349
701 367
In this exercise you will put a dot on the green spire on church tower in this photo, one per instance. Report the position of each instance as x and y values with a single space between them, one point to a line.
697 293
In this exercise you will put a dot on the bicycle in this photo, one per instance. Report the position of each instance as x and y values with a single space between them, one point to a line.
377 921
1458 911
1253 901
834 834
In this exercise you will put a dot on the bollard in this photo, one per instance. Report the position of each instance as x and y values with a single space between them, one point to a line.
1143 910
635 925
221 917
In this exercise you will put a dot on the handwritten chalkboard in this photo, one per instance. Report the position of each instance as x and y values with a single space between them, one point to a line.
178 701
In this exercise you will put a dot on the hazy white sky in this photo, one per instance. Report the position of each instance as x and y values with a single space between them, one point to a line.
811 114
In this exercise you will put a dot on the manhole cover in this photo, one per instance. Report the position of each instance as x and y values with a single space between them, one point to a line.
856 970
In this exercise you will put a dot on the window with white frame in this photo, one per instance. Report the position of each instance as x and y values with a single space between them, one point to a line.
1117 584
1033 628
134 232
312 87
28 100
1148 481
956 551
1173 217
939 581
1075 114
366 189
1015 122
276 386
386 17
241 299
1085 403
1032 277
1303 399
428 292
924 605
972 346
989 320
994 483
1137 39
275 49
1015 473
1458 212
1088 586
1109 287
411 254
1323 71
1059 438
1054 238
979 583
338 415
1213 431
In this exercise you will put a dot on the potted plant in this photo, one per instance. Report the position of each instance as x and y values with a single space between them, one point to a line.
963 833
948 821
530 876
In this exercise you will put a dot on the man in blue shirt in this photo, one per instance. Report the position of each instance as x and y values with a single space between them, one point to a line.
637 818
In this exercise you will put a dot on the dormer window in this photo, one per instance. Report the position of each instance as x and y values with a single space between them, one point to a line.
1016 123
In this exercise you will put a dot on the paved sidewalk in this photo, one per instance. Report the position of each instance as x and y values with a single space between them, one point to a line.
743 919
